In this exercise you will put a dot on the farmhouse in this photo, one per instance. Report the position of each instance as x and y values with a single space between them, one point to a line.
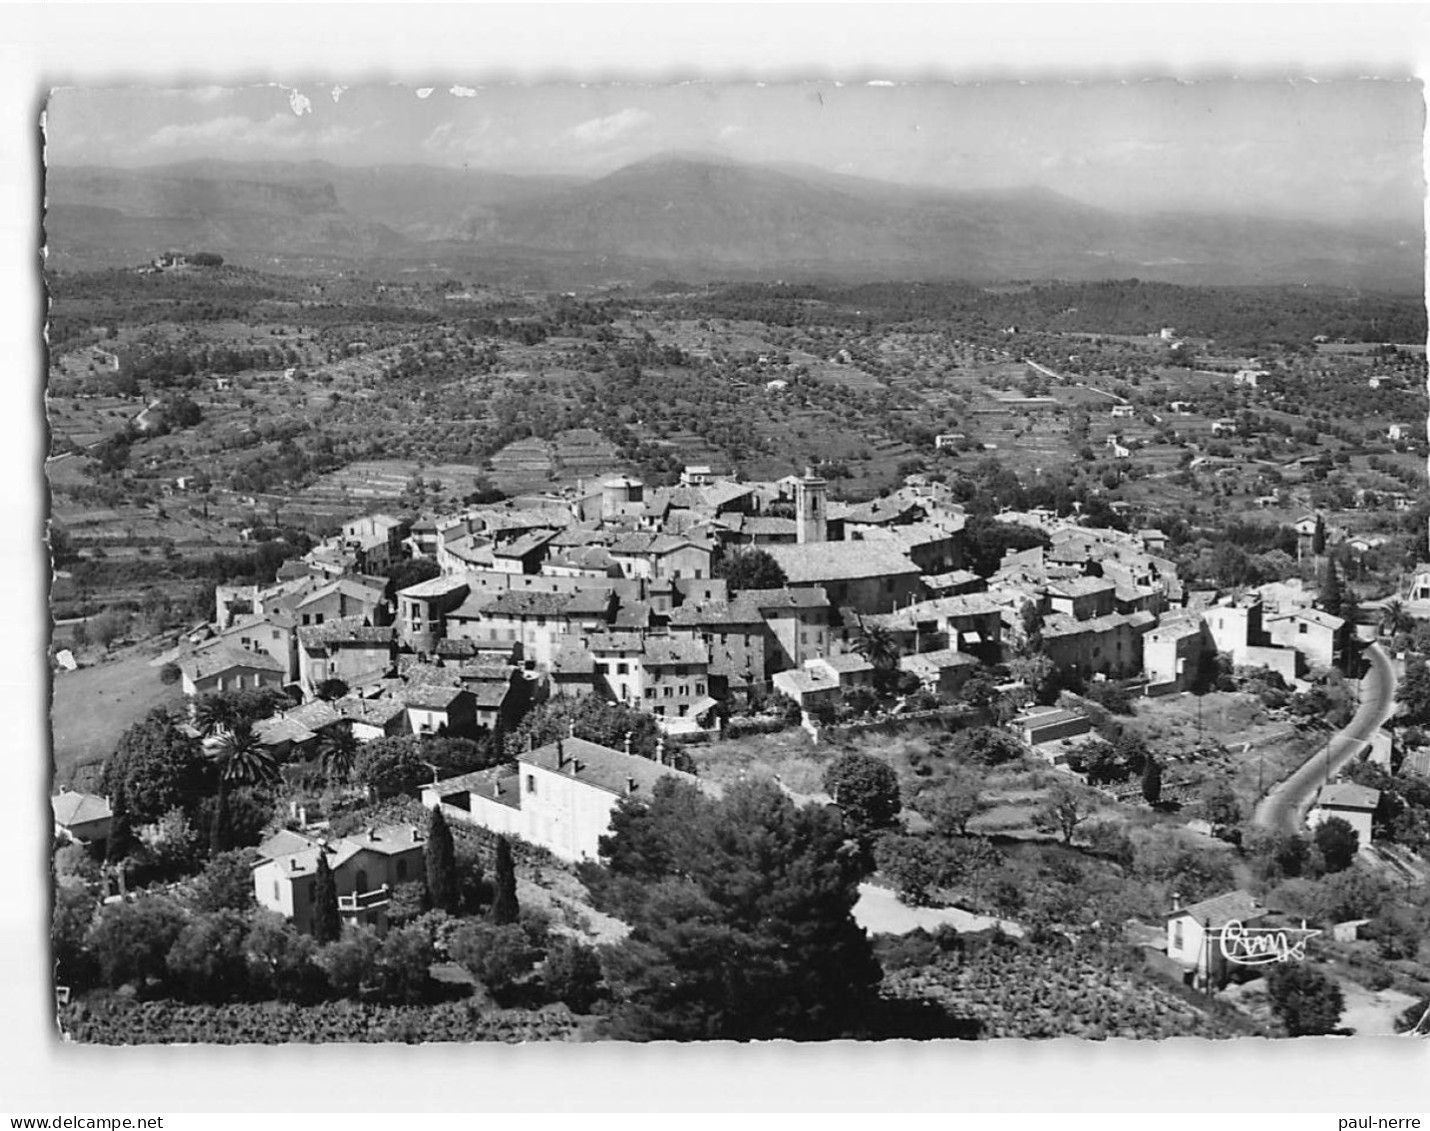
81 817
1194 935
1354 804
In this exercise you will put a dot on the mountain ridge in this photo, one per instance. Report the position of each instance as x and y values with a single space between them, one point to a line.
689 212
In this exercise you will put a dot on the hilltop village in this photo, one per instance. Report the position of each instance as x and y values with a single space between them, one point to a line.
547 661
933 660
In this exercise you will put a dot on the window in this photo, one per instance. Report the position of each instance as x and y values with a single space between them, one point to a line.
361 880
623 669
1177 935
276 897
650 692
699 689
318 619
275 634
669 691
1301 628
530 783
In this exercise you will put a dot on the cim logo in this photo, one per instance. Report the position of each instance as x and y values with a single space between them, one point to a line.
1261 946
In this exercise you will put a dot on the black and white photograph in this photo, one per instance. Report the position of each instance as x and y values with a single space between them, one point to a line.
816 557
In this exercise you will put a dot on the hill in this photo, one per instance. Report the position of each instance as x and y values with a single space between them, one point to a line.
693 217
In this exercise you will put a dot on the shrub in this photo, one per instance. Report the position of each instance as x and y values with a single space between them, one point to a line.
572 973
497 956
1305 1000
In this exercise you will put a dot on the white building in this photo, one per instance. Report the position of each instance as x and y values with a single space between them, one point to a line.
1354 804
559 797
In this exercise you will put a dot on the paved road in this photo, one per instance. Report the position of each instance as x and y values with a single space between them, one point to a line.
1284 808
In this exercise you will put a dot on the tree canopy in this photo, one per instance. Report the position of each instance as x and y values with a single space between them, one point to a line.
155 767
1338 842
593 719
741 918
751 569
866 789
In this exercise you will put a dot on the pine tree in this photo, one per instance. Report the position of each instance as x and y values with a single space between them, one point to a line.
441 859
327 925
505 908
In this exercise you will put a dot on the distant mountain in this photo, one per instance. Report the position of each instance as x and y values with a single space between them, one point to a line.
696 217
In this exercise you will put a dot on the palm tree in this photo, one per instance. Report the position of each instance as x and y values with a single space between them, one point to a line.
240 759
1394 619
339 750
213 714
877 644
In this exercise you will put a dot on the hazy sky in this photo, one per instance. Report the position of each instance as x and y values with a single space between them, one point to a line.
1339 150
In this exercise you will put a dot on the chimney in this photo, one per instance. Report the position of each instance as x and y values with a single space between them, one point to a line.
577 765
530 743
372 833
1176 901
630 786
560 754
571 729
628 742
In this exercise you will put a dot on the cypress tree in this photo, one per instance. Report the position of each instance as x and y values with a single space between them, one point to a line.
327 924
1152 781
505 908
121 835
218 830
441 860
1333 597
1318 537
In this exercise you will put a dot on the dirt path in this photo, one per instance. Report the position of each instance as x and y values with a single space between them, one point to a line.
880 912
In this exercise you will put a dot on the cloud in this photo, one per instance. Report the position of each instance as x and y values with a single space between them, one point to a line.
338 91
202 94
301 103
475 141
280 132
425 91
602 131
463 92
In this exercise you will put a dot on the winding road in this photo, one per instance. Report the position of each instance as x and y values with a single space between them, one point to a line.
1284 808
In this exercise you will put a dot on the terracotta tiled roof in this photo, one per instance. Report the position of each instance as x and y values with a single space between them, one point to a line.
840 561
601 767
72 808
1222 909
